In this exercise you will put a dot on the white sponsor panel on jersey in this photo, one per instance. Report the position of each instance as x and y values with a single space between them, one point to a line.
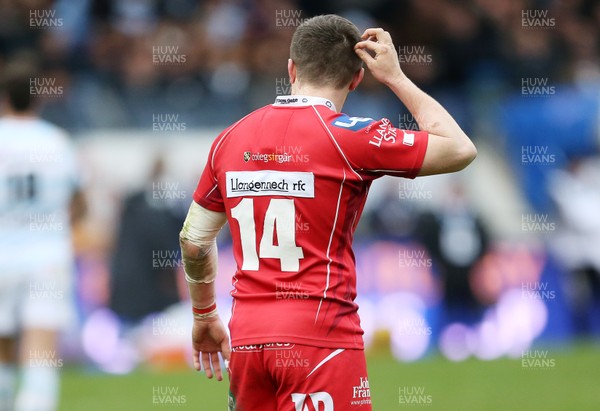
270 183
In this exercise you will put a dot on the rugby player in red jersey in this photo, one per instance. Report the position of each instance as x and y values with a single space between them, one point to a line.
262 192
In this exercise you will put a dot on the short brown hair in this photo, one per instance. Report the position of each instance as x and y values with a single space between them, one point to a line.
15 83
323 50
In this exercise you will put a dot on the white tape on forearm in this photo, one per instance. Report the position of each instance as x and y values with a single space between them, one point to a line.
205 280
200 229
202 226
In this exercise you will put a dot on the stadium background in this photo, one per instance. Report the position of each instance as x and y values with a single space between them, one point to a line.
482 287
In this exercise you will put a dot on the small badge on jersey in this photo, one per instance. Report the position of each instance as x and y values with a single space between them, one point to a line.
270 183
352 123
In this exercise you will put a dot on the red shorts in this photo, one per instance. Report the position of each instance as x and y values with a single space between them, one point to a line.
295 377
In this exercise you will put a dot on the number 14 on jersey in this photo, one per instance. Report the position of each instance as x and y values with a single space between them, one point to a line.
279 219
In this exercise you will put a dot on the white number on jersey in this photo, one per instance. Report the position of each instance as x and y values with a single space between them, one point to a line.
21 188
280 220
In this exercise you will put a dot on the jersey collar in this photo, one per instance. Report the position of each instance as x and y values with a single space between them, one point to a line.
302 101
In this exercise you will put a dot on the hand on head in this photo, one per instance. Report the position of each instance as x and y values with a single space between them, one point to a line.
379 54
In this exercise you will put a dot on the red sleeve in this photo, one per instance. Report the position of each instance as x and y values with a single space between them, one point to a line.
378 148
207 192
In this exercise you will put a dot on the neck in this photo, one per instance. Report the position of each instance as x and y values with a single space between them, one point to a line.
337 97
22 115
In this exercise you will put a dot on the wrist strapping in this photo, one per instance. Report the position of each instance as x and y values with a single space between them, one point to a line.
205 313
190 280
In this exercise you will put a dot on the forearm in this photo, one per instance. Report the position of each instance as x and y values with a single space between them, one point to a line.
200 254
449 149
200 267
202 295
427 112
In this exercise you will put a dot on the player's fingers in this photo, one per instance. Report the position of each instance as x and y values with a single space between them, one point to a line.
196 360
364 56
377 48
371 32
226 362
206 364
379 34
368 44
226 349
216 365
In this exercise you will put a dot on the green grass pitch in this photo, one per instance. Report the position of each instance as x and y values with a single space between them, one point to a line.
571 383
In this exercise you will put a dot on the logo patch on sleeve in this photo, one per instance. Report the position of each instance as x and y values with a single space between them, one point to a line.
352 123
408 139
384 133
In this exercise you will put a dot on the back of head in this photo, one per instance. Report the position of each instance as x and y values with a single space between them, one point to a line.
15 84
323 50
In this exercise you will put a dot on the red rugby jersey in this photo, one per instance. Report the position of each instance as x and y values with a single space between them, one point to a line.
293 178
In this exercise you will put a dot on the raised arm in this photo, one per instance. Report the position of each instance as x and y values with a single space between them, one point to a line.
199 254
449 149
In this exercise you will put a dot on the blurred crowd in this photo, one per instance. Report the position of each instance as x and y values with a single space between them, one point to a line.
176 65
122 61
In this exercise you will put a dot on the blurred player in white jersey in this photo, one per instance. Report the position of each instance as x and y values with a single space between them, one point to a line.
37 186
